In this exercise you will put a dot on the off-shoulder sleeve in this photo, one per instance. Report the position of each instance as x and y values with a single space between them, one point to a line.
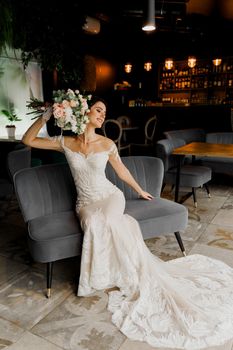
113 152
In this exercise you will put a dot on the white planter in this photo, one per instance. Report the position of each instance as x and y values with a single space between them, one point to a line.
10 131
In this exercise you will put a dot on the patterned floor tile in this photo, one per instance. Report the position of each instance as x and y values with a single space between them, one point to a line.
136 345
224 217
228 204
9 333
213 252
194 229
23 301
31 342
218 236
9 269
166 247
133 345
203 213
81 323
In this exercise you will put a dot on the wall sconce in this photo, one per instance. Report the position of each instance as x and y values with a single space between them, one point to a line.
128 67
147 66
192 61
217 61
169 63
149 19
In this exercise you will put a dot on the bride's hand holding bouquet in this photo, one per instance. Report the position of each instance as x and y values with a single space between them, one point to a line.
69 109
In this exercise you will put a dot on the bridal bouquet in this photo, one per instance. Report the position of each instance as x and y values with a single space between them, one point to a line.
70 109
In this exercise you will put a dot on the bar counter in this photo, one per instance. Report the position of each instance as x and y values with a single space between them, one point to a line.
211 118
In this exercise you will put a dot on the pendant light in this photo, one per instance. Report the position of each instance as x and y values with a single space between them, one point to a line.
217 61
128 67
169 63
149 13
147 66
192 61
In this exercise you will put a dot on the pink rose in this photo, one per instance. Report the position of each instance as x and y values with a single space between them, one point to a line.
58 112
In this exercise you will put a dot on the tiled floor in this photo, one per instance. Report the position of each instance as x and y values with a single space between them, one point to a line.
29 321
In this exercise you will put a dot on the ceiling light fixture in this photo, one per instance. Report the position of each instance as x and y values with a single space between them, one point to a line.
147 66
217 61
128 67
92 25
149 21
192 61
169 63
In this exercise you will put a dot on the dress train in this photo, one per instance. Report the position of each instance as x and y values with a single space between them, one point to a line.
186 303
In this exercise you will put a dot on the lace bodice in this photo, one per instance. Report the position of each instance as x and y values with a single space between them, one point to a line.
89 175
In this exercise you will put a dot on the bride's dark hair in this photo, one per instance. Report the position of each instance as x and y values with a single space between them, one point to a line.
91 102
95 99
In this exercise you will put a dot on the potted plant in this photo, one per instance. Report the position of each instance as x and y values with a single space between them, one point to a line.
12 117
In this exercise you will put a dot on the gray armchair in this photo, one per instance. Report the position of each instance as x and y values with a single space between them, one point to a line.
18 159
47 196
15 160
191 175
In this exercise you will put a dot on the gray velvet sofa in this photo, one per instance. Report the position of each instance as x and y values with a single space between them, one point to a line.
219 165
47 195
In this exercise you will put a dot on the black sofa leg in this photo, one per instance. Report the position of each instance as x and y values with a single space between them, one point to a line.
194 196
207 190
180 242
49 278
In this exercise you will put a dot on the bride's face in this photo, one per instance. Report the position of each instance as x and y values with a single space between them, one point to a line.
97 114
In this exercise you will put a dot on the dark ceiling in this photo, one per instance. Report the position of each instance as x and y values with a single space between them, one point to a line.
201 27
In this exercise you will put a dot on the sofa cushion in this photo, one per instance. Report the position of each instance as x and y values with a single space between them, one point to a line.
193 176
158 216
52 236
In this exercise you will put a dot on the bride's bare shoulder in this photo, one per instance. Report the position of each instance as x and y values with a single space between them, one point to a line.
107 143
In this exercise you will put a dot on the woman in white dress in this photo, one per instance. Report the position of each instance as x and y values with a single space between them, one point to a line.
186 303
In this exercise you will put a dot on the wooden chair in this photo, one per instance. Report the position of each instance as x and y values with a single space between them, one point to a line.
146 148
112 128
124 120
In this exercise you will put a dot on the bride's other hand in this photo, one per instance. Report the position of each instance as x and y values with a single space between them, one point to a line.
146 195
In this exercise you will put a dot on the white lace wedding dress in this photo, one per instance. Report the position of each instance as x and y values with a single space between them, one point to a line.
186 303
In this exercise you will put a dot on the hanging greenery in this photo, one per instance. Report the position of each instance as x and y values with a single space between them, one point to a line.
48 31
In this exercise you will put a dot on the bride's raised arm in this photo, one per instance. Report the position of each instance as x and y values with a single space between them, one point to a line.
31 139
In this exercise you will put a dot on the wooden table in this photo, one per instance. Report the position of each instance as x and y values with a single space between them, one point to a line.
202 149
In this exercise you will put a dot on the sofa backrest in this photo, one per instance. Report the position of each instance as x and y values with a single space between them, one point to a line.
50 188
188 135
220 137
147 171
44 190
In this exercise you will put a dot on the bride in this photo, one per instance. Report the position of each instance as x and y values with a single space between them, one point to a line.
185 303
